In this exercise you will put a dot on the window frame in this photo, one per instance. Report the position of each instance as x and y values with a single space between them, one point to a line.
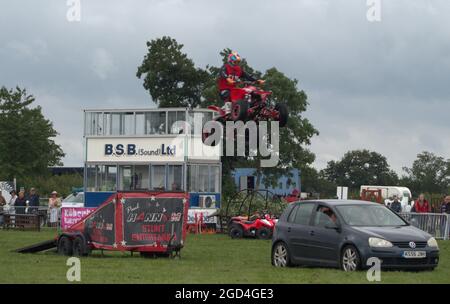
295 210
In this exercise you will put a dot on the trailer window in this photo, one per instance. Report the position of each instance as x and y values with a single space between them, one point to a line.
214 179
108 181
175 177
125 177
203 178
158 180
91 173
94 123
173 117
128 123
140 180
155 123
140 123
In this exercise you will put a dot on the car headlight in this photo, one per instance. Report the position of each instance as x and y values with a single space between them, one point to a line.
432 242
379 243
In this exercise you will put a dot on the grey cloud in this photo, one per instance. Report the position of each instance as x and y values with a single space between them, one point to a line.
377 85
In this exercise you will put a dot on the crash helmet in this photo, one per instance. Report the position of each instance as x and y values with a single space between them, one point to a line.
234 58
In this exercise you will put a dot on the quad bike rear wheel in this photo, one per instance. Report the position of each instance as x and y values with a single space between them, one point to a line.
239 110
282 114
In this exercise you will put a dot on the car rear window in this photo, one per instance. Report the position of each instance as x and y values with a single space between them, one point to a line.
301 214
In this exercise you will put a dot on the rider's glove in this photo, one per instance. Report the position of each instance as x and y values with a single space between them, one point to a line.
231 81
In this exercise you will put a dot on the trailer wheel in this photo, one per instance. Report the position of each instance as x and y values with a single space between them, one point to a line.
154 255
65 246
79 247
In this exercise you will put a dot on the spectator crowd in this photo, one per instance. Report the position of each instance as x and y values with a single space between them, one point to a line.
21 203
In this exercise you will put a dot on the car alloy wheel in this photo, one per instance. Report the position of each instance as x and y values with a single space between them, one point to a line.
350 259
280 256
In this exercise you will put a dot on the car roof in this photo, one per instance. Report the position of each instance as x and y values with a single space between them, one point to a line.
336 202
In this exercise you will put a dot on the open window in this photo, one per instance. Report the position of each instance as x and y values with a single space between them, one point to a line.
324 216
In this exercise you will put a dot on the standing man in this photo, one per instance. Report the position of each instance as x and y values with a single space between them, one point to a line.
445 208
33 201
396 206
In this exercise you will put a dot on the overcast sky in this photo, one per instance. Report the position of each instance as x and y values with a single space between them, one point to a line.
383 85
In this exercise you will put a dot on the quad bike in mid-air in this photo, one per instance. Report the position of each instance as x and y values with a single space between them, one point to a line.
250 102
261 227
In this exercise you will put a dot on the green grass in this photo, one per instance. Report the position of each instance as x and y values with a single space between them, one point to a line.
205 259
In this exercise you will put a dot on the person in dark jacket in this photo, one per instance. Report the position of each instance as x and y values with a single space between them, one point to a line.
445 206
396 206
21 203
33 201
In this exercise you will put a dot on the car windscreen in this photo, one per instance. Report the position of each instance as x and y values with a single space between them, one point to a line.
77 198
369 215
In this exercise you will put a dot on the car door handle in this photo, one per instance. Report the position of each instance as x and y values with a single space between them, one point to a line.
311 232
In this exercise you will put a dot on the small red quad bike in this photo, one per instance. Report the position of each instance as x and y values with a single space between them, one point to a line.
250 103
261 228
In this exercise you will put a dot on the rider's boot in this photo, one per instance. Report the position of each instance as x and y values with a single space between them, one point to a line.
227 107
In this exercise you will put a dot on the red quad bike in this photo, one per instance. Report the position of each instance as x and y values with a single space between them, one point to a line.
262 227
250 103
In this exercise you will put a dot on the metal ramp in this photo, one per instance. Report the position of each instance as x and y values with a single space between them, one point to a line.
42 246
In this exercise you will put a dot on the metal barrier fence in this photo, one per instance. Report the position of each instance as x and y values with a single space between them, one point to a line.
436 224
47 217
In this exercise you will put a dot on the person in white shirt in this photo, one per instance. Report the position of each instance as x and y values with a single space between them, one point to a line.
12 201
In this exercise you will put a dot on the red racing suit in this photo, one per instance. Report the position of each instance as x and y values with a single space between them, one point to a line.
231 71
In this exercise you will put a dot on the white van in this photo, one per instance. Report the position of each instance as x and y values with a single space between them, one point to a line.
403 193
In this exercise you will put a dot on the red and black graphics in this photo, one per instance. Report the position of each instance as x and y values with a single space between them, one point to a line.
100 226
153 221
136 221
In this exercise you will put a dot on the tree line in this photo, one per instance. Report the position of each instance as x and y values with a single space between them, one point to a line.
429 173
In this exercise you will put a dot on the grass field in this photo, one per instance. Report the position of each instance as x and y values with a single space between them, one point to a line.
205 259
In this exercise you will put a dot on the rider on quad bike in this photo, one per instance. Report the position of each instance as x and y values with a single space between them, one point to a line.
230 74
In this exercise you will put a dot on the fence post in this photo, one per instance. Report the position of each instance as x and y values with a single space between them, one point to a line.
446 227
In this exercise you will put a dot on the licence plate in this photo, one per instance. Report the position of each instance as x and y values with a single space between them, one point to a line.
414 254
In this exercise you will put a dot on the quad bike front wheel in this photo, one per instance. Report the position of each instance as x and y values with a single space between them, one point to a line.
236 232
282 114
264 233
239 110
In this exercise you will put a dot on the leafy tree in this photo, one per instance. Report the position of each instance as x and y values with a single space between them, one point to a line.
170 76
428 173
314 182
47 183
360 167
27 147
